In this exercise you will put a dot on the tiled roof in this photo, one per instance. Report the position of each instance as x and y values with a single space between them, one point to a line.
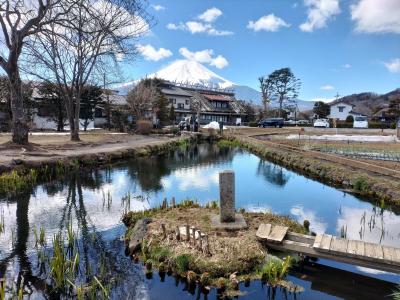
217 97
175 91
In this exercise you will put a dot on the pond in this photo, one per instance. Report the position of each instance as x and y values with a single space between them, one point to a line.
91 205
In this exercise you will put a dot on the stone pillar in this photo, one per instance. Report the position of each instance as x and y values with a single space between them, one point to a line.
227 196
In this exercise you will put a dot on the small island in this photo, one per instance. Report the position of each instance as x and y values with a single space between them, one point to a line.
213 245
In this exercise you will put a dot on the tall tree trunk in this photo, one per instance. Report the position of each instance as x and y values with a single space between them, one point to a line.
280 106
75 132
20 127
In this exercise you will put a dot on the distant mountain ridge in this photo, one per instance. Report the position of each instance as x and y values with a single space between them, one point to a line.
190 71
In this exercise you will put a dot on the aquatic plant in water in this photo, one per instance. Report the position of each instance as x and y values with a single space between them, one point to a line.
275 270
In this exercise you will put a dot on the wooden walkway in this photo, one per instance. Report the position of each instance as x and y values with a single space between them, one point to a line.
353 252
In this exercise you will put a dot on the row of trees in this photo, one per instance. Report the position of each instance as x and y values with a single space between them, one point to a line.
70 43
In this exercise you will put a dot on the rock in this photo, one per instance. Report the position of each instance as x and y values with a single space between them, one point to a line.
17 161
136 238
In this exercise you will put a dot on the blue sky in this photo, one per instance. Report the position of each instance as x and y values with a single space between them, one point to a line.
333 46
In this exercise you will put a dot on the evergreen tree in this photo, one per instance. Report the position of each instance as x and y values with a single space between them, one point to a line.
394 108
161 108
172 114
90 98
321 109
51 104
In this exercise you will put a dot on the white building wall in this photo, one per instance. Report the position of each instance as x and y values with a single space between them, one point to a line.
179 101
340 111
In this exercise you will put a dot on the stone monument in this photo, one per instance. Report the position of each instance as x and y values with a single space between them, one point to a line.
227 218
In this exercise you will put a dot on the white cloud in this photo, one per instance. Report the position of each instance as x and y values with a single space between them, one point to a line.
205 57
158 7
319 12
347 66
150 53
210 15
372 16
173 26
327 87
204 25
199 27
219 62
393 65
267 23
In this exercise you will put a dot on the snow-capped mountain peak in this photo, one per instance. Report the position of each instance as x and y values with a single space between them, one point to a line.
187 71
191 71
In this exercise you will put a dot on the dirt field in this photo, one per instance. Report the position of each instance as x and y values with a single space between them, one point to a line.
45 147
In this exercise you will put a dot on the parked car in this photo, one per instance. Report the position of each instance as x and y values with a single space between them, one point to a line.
303 122
290 122
360 122
321 123
272 122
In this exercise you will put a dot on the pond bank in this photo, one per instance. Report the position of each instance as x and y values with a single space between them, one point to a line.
218 259
383 190
19 173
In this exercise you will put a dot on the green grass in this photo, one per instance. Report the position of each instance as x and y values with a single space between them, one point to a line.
183 263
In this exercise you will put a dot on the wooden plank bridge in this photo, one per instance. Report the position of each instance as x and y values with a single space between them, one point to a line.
353 252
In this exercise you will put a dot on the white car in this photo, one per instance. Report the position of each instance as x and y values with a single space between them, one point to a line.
360 122
321 123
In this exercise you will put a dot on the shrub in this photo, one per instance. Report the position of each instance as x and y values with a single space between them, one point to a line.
144 127
182 262
361 184
253 124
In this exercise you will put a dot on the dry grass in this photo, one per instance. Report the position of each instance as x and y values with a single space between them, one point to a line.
237 251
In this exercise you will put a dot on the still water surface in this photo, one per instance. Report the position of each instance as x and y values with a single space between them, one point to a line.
93 203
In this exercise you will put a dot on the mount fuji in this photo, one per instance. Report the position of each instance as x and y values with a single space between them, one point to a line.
190 71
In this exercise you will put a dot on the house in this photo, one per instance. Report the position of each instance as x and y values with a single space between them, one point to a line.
342 110
212 104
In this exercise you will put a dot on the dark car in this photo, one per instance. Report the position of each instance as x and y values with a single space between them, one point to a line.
272 122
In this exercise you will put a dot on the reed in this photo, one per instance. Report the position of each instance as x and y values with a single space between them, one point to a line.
2 222
58 263
2 289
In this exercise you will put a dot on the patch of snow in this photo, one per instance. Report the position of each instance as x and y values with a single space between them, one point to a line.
342 137
213 125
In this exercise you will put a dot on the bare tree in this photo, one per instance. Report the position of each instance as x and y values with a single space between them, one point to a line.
19 20
140 99
78 51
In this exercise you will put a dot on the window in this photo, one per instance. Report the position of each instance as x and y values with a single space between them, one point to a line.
172 100
180 105
341 108
187 101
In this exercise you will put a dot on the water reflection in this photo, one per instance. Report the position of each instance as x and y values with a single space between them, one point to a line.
272 173
94 201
